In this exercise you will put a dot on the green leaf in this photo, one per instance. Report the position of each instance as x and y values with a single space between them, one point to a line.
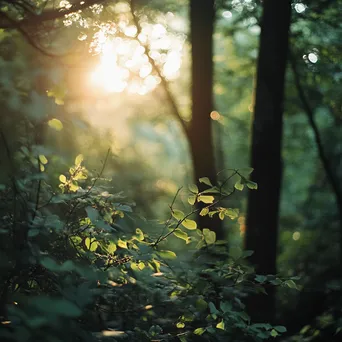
260 278
43 159
111 248
167 254
231 213
180 234
209 236
274 333
204 211
79 160
280 328
213 309
206 199
291 284
139 234
192 199
122 244
199 331
239 185
235 252
201 304
189 224
221 215
193 188
92 213
177 214
180 325
247 254
62 179
91 244
246 171
220 325
252 185
205 180
55 124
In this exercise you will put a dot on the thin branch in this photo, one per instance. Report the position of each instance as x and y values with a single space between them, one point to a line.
48 15
332 177
164 82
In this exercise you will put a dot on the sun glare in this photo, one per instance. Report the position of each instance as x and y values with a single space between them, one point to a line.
124 64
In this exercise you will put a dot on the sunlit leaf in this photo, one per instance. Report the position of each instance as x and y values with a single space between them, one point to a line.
231 213
192 199
252 185
180 234
122 244
209 236
167 254
204 211
177 214
79 160
206 199
199 331
180 325
221 215
111 248
139 234
220 325
193 188
55 124
205 180
239 185
62 179
274 333
91 244
189 224
43 159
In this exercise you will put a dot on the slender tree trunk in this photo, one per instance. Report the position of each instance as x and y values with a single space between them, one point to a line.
202 17
263 204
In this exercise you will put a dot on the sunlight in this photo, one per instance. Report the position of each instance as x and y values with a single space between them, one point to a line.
124 64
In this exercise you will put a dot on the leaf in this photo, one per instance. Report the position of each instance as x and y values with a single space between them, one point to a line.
291 284
189 224
139 234
205 180
246 171
193 188
247 254
206 199
209 236
55 124
167 254
111 248
235 252
231 213
252 185
220 325
201 304
199 331
213 309
91 244
204 211
180 325
280 328
221 215
192 199
122 244
260 278
79 160
43 159
180 234
274 333
177 214
62 179
92 213
239 185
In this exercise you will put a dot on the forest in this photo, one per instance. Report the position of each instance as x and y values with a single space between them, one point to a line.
170 170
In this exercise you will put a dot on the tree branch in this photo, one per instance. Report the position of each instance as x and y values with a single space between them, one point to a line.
164 82
47 15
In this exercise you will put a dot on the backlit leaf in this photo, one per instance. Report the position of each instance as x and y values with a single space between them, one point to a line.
189 224
177 214
55 124
206 199
205 180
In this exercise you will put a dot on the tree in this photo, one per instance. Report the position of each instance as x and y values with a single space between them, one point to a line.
263 205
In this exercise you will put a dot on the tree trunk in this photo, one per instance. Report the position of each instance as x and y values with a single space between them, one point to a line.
202 17
263 204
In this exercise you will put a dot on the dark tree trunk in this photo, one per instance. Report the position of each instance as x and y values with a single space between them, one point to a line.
202 17
263 204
